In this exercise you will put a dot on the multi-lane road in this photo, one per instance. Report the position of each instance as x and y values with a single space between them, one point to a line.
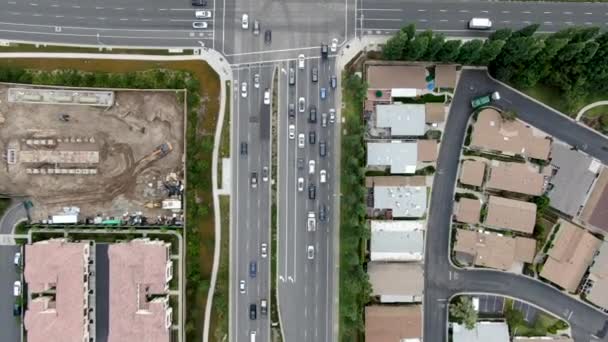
306 285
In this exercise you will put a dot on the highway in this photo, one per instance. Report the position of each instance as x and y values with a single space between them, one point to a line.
305 285
442 280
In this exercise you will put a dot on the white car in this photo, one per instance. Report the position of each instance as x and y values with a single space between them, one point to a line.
301 105
292 131
17 288
301 140
311 167
311 222
200 25
245 22
334 45
242 286
264 250
17 259
265 174
267 97
332 115
301 62
256 80
202 14
323 176
244 89
300 184
311 252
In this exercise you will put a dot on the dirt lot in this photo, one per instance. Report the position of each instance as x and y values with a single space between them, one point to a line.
129 175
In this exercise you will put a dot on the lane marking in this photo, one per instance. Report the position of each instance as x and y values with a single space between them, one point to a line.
485 12
380 19
443 10
119 8
526 12
463 11
75 6
588 13
32 4
505 12
421 10
443 20
548 23
568 12
422 20
382 9
548 12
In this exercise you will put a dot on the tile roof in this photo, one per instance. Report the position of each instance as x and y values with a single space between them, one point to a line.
396 76
396 281
493 250
427 150
472 172
595 211
490 132
435 112
139 269
571 254
445 76
515 177
468 210
598 273
385 323
60 265
510 214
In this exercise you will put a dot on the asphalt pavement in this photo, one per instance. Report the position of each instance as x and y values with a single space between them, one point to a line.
306 285
10 326
443 280
14 213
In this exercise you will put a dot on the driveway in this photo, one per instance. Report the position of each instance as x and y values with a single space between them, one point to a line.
15 213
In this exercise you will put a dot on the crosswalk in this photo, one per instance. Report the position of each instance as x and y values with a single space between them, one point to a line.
7 240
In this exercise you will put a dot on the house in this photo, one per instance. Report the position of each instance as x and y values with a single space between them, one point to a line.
542 339
396 240
434 113
140 271
492 133
468 210
445 76
472 172
385 323
482 332
396 79
427 150
567 164
57 277
396 282
508 214
570 256
400 157
493 250
401 201
598 278
515 177
595 211
402 120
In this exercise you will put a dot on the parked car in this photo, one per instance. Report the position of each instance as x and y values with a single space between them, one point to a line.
268 37
17 288
17 259
16 309
301 62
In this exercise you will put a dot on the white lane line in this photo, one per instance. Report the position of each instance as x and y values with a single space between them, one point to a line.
588 13
443 10
381 9
180 9
485 11
80 18
163 9
101 18
567 12
12 2
99 8
36 15
380 19
119 8
33 4
59 16
443 20
422 20
54 5
506 12
421 10
527 22
548 12
464 11
569 23
588 23
75 6
145 19
124 19
548 23
14 13
506 21
526 12
141 9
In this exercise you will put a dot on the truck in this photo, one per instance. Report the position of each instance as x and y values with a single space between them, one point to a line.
484 100
311 222
480 24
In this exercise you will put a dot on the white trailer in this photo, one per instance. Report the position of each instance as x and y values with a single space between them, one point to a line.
480 24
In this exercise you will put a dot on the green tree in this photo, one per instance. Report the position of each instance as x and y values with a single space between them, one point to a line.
489 51
449 51
584 34
514 317
463 312
527 31
435 45
588 52
508 115
393 49
469 52
416 48
501 34
410 31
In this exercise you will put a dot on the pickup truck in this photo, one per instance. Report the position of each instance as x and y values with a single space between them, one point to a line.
484 100
311 223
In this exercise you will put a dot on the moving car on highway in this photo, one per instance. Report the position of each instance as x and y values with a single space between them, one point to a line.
300 184
245 21
256 27
333 82
17 259
312 192
263 307
312 114
256 80
311 167
243 148
17 288
324 51
480 24
292 131
253 312
323 176
332 115
300 163
264 250
200 25
322 149
265 174
301 140
267 36
301 105
312 137
310 251
199 3
242 286
244 89
292 77
267 97
334 45
202 14
301 62
323 119
311 222
314 74
292 110
254 180
323 92
253 269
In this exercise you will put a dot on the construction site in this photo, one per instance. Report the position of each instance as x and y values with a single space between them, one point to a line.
94 156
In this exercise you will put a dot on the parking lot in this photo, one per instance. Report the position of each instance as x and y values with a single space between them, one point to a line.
494 306
9 325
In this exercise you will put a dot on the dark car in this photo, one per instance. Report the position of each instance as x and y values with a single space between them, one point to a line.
267 36
333 82
292 76
322 213
312 191
253 269
312 137
324 51
312 115
292 110
199 2
322 149
253 312
315 74
244 148
300 163
16 309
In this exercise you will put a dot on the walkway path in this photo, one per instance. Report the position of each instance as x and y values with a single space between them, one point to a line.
589 106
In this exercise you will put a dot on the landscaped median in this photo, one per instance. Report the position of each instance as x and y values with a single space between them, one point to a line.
355 288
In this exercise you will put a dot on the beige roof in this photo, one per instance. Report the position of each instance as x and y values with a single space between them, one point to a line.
396 278
468 210
490 132
427 150
572 253
393 323
445 76
515 177
511 214
492 250
60 265
138 269
472 172
434 112
542 339
396 76
395 181
595 211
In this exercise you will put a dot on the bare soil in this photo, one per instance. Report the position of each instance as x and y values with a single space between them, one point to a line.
128 175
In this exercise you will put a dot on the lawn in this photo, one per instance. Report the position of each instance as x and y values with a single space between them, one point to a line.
549 96
597 118
202 117
543 324
219 313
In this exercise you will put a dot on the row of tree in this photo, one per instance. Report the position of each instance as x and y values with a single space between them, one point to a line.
573 60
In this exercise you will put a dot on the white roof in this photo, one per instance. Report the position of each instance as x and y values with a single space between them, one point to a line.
397 240
402 119
483 332
403 92
401 157
405 201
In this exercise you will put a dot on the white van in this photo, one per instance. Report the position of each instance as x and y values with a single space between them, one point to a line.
480 24
252 336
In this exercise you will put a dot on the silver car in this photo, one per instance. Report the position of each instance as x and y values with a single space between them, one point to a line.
311 252
301 105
